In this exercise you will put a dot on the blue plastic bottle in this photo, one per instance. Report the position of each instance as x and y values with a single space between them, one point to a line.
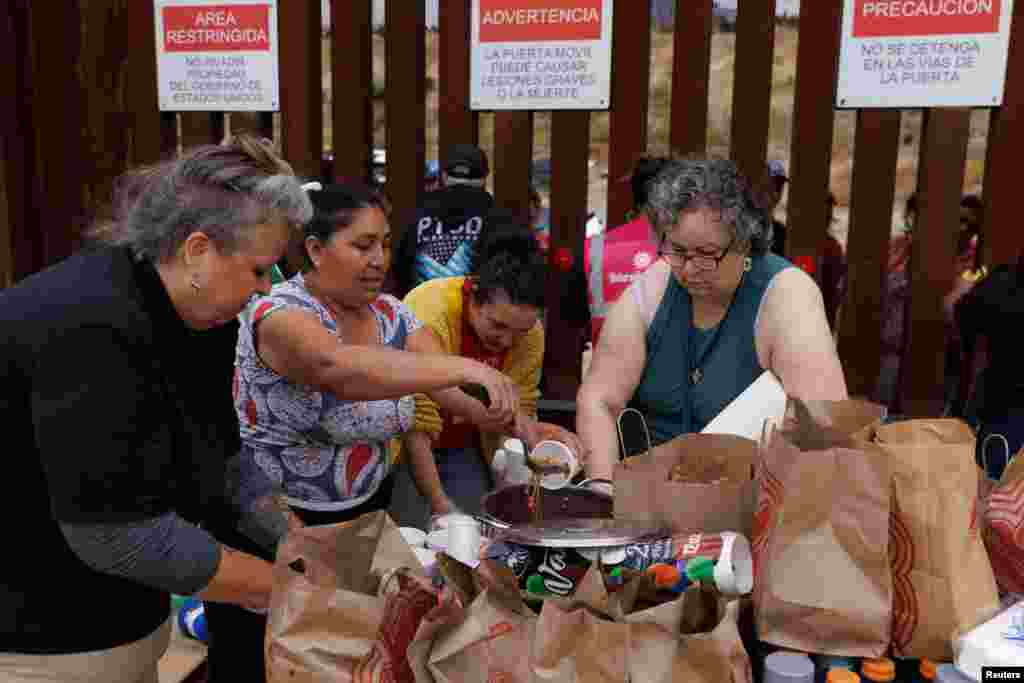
192 620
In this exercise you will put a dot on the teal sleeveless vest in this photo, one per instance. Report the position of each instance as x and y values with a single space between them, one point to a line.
665 396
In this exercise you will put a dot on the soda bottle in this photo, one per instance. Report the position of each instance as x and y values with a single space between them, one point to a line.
192 620
826 663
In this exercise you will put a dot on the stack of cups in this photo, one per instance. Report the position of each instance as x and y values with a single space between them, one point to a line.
788 667
458 536
417 538
555 453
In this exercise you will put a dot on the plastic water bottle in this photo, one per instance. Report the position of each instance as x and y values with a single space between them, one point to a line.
192 620
825 663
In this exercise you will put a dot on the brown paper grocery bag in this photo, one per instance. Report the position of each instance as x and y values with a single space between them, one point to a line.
347 601
1004 527
597 636
693 639
718 495
493 644
820 542
942 579
855 418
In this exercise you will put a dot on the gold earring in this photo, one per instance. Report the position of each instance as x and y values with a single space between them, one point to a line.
748 264
194 281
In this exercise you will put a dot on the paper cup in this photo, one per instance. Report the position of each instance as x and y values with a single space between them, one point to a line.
417 538
555 452
464 540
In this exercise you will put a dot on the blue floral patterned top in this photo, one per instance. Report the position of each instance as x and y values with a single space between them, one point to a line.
326 453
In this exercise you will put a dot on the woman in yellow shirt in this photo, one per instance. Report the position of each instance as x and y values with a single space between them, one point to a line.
492 316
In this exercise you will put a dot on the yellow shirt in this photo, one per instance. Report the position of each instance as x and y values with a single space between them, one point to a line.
438 305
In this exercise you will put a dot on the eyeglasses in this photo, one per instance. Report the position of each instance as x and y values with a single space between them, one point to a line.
679 259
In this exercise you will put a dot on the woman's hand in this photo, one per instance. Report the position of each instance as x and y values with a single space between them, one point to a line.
501 390
533 432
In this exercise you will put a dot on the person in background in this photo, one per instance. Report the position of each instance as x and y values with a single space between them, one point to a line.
773 187
895 300
432 176
971 209
539 219
608 262
831 273
115 385
322 385
965 276
703 323
494 317
994 311
439 241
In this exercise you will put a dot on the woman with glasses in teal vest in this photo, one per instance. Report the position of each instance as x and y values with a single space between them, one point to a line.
716 311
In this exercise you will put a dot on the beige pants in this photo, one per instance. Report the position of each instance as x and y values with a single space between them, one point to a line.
132 663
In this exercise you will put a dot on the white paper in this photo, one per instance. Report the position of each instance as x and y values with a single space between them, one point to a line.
763 400
988 645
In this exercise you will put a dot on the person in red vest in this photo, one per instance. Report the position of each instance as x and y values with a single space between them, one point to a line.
611 260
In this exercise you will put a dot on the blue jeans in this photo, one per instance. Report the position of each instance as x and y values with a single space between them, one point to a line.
465 476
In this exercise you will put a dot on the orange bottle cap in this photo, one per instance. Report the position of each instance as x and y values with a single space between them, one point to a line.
879 670
927 669
842 676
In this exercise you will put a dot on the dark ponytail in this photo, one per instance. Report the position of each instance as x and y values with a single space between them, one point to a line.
508 259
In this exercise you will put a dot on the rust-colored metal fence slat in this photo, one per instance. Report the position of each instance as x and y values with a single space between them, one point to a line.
301 89
691 62
64 169
16 248
570 153
456 122
1003 238
752 85
201 128
940 178
351 88
153 133
631 69
813 121
406 102
874 174
513 155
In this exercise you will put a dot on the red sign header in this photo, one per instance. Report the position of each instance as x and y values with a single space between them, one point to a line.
216 28
884 18
506 21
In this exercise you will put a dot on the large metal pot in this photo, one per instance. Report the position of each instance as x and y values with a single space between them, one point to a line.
508 507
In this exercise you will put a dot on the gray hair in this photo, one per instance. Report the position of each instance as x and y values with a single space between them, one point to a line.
688 184
220 190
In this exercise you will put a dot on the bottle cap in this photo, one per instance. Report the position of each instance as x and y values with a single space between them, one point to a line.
841 676
535 585
665 575
700 569
880 670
